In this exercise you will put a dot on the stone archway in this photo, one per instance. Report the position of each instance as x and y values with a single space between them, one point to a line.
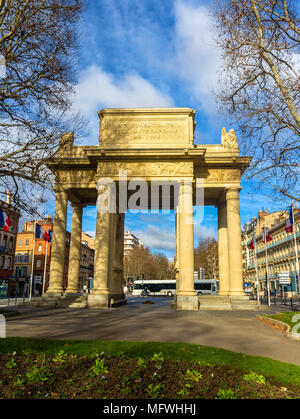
155 145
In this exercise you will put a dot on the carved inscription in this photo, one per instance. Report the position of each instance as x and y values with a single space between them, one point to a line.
144 131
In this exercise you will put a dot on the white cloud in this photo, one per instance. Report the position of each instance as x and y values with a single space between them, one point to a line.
198 58
156 238
98 89
91 233
201 232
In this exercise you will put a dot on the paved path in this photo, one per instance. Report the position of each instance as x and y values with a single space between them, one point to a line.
238 331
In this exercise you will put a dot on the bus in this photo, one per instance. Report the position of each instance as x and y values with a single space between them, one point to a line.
168 287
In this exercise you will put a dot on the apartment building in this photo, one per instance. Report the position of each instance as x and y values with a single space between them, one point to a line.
131 241
279 254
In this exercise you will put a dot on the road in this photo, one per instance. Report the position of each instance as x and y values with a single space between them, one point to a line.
238 331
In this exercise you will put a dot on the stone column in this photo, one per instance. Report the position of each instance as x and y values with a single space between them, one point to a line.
75 250
186 295
100 295
58 246
223 254
116 274
177 247
236 287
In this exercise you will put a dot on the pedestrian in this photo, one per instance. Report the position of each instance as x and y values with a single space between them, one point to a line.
125 290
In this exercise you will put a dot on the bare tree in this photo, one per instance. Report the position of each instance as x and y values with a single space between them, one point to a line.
260 85
37 45
140 261
206 256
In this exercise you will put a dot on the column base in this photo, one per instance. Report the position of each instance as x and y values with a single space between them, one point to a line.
100 301
187 302
117 300
72 292
238 293
223 293
53 293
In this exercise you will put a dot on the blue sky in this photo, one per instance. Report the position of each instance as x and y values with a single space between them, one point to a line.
154 53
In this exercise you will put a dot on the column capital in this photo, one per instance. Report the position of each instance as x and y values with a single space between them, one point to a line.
232 193
59 189
77 205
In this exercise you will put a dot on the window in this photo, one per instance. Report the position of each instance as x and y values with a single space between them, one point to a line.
2 261
8 263
27 242
20 243
40 248
26 257
38 263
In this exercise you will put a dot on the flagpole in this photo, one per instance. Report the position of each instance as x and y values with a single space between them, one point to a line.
45 269
267 266
256 270
296 251
32 261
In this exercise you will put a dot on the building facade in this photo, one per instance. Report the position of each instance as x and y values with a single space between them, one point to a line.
86 267
131 241
279 254
42 256
7 249
41 262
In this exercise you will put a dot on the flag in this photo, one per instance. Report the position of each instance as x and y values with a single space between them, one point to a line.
266 236
39 232
2 222
289 222
48 235
253 242
7 221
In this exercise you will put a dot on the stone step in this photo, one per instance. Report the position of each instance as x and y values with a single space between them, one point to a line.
211 298
246 302
256 307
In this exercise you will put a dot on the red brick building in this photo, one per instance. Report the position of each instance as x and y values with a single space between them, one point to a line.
42 255
7 249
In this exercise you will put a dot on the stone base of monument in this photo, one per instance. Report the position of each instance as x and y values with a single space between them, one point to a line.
75 300
222 302
117 300
100 301
214 302
187 302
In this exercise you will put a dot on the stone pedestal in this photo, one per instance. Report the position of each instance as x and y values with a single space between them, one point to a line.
187 302
100 301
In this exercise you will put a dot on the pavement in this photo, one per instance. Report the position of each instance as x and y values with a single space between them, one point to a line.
238 331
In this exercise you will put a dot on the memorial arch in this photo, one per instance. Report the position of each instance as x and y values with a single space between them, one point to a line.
155 145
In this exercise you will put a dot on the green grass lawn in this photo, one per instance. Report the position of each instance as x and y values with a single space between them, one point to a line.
286 317
283 373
